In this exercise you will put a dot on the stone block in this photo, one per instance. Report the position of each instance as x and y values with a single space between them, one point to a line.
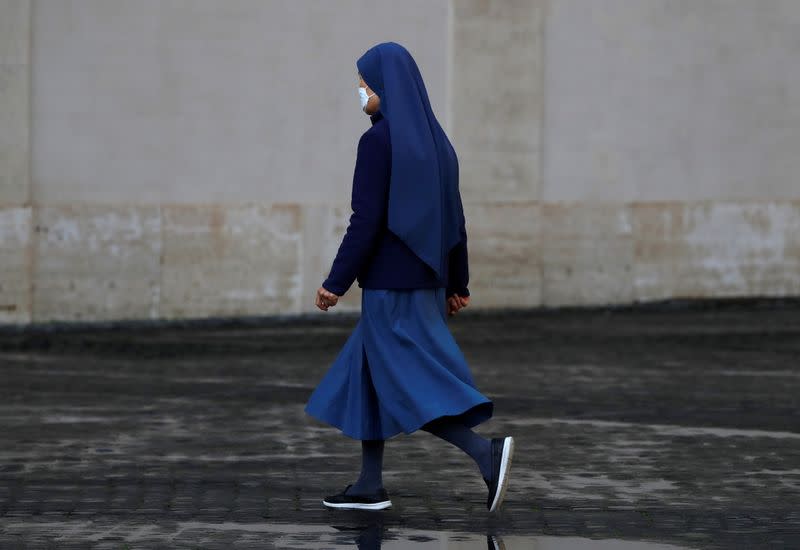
15 265
96 262
230 260
505 261
497 97
169 102
587 254
722 249
671 101
14 134
324 226
486 175
15 25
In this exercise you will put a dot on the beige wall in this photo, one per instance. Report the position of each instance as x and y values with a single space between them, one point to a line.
163 159
629 150
16 239
209 101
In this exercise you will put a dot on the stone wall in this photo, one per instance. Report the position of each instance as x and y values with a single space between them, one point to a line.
16 238
165 159
648 149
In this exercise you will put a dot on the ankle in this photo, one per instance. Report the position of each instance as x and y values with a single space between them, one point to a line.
484 459
366 486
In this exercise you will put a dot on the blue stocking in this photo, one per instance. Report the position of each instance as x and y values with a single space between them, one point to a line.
371 478
453 430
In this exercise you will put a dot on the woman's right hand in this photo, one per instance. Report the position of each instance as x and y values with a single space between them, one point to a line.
326 298
455 303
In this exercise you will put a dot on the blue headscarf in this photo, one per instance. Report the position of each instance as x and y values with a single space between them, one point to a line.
425 209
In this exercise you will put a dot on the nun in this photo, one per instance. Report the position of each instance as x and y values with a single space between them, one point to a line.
400 369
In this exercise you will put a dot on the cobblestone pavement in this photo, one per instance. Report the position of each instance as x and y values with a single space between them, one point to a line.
668 424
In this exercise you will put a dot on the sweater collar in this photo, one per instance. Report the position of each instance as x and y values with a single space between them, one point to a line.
376 117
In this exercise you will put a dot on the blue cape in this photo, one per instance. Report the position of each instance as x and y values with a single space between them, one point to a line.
425 209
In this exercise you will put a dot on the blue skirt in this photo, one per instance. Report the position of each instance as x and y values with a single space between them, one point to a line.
399 369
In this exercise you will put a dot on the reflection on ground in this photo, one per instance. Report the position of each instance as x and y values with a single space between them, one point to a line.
367 534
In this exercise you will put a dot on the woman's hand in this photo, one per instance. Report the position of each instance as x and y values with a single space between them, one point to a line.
455 303
326 298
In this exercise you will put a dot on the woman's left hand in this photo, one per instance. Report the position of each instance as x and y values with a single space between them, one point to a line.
326 298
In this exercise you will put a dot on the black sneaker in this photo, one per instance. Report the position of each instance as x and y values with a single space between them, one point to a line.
502 451
371 501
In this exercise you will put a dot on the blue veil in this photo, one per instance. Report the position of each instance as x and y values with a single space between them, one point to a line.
425 209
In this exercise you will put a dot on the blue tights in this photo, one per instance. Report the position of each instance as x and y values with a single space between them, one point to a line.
450 428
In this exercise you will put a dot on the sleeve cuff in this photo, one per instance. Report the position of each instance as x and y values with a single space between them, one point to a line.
330 287
463 291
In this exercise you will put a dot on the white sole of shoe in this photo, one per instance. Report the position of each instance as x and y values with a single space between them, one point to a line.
505 466
358 505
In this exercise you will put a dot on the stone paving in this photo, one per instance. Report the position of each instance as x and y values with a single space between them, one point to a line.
677 425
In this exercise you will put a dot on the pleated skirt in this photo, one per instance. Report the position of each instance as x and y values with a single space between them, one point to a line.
399 369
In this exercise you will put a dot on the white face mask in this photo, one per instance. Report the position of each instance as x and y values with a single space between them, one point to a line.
362 92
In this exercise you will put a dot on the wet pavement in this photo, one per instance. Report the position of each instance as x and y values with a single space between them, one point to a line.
660 427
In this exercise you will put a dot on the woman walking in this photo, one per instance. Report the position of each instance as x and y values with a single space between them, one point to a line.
401 370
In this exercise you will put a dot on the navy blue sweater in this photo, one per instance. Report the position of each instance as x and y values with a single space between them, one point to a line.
372 254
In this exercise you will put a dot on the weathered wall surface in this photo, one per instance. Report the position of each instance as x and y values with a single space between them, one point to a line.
671 136
650 148
16 240
166 159
498 108
195 159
